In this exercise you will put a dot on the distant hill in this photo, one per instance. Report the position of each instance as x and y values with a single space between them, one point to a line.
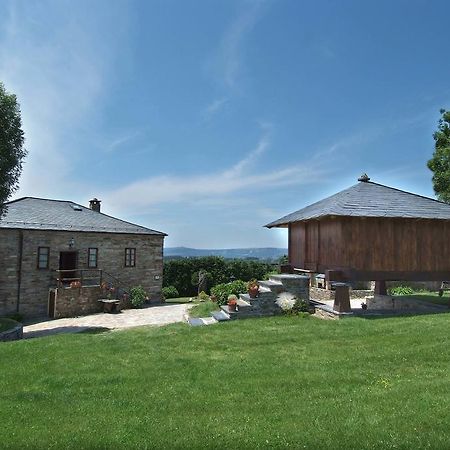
268 253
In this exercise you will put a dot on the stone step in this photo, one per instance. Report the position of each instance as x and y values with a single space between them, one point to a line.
272 285
286 277
243 302
201 321
263 296
231 314
220 316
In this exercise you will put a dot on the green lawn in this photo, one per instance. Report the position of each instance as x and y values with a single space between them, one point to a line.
203 309
427 296
257 383
181 300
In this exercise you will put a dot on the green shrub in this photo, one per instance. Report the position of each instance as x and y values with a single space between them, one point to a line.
203 296
138 296
401 290
170 292
223 290
183 273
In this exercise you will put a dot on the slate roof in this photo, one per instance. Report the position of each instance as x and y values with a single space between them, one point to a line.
30 213
368 199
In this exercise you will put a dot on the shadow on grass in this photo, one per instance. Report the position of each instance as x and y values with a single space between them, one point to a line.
64 330
391 314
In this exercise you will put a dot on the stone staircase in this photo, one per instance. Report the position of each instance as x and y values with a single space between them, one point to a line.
264 304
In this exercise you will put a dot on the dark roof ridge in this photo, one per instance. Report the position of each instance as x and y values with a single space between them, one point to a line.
41 198
406 192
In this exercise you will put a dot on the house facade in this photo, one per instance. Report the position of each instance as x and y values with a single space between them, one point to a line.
47 244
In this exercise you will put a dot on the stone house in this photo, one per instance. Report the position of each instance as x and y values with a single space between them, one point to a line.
47 244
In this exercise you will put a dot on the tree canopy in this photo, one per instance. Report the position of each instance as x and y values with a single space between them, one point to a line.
12 151
439 164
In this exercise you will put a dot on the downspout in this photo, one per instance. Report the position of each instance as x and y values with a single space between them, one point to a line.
19 275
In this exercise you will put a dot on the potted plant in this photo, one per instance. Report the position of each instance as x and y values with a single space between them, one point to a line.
253 288
75 284
232 303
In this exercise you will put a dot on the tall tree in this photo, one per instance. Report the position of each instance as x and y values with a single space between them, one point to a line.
439 164
12 151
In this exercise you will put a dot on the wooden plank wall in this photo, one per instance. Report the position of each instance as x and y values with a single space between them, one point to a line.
297 245
396 244
315 242
371 244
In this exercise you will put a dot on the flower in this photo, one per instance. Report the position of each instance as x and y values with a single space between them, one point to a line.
286 301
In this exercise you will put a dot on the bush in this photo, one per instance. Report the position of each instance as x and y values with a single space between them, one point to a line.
222 291
401 290
182 273
203 296
170 292
138 296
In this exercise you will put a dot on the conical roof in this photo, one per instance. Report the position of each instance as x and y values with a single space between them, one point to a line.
368 199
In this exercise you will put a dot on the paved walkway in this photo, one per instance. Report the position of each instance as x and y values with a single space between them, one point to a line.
128 318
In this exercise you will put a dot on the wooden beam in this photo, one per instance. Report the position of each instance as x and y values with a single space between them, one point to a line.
344 275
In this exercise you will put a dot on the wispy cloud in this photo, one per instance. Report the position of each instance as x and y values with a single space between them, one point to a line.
120 141
214 107
227 62
58 68
230 53
237 178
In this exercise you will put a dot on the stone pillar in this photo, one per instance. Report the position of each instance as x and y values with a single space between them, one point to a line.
380 288
342 297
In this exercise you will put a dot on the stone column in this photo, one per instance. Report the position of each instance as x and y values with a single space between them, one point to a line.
342 297
380 288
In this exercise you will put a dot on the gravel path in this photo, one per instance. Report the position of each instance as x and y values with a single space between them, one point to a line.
128 318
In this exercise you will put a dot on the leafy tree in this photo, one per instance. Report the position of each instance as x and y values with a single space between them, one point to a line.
439 164
12 150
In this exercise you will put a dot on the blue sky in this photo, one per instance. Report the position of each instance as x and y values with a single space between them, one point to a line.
208 119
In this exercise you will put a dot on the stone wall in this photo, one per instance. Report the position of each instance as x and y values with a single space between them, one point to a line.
9 269
77 302
297 285
326 294
35 283
13 334
387 302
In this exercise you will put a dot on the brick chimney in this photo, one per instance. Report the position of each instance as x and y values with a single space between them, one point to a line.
94 204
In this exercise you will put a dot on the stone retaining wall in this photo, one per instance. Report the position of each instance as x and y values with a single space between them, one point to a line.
77 302
387 302
12 334
325 294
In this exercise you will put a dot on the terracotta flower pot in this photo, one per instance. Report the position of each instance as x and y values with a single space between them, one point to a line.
253 291
232 306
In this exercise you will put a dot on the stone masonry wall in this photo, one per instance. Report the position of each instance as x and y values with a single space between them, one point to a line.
77 302
36 282
9 267
387 302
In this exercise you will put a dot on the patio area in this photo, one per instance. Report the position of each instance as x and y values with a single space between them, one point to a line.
128 318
